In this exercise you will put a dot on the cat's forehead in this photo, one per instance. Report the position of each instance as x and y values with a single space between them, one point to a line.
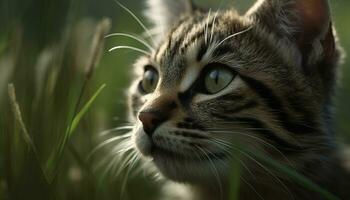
197 40
197 28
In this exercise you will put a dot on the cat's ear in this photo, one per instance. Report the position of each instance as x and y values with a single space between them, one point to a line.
307 23
165 13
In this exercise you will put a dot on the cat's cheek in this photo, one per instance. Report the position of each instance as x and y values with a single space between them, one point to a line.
142 142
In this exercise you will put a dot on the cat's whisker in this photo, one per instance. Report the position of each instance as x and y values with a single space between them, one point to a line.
103 162
229 152
131 48
152 171
108 141
213 26
130 165
132 37
137 20
214 20
218 144
257 139
117 129
304 125
206 28
110 159
215 171
261 165
152 32
231 36
135 160
122 150
276 112
118 167
130 158
258 129
252 187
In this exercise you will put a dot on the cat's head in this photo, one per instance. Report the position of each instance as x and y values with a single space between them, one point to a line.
217 81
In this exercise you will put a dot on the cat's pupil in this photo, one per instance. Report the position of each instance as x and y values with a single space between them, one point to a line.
218 79
215 76
150 78
149 82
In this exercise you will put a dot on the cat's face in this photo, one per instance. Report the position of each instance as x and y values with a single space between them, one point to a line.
218 82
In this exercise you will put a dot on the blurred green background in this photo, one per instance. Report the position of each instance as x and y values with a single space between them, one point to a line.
45 48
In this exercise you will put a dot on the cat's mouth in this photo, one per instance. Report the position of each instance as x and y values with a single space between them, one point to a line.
180 158
160 153
161 149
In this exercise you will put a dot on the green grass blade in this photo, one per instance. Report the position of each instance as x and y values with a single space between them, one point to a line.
25 134
83 111
54 159
234 180
77 118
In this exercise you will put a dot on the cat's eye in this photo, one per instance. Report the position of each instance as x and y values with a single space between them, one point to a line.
149 80
217 79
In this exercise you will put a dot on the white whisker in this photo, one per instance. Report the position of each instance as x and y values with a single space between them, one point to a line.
251 187
219 143
108 141
214 20
120 128
131 48
231 36
137 20
261 165
206 27
255 138
130 164
215 171
133 37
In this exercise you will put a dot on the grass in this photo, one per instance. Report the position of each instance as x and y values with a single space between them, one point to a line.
49 168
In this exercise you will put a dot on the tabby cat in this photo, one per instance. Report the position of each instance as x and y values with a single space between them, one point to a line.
220 88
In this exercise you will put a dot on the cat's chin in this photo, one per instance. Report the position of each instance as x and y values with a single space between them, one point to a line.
183 167
187 169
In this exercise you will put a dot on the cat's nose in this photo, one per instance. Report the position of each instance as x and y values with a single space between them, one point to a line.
151 120
155 114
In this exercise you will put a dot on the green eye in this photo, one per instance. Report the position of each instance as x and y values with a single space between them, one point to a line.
149 81
217 79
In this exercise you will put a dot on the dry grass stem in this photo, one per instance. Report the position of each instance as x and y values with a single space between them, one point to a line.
97 45
18 116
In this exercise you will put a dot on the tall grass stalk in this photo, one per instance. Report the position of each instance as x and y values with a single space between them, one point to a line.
25 135
94 57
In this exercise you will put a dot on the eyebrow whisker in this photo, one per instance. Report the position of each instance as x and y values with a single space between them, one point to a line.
137 20
231 36
133 37
131 48
206 27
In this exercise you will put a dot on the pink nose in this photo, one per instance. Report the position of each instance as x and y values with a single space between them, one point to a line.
157 112
151 120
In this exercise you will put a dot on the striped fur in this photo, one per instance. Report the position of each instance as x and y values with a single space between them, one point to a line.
278 104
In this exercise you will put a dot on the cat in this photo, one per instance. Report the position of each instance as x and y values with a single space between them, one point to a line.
219 88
